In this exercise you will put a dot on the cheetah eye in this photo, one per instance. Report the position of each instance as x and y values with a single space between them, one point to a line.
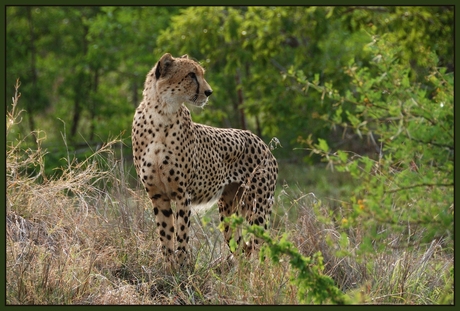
192 75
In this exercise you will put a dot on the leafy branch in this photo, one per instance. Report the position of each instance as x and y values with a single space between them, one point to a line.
307 274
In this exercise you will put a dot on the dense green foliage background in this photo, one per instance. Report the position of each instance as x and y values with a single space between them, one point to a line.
82 68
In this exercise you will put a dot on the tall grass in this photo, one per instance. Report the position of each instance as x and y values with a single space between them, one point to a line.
85 236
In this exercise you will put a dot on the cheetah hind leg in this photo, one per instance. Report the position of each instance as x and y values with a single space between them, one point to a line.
256 206
230 203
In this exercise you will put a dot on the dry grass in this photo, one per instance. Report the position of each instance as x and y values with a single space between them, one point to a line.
86 237
422 274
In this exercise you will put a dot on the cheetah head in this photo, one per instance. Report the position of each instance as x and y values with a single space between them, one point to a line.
179 80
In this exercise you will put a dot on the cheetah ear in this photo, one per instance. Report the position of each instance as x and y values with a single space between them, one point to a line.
163 64
184 56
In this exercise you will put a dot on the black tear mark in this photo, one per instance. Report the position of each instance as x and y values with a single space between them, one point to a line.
193 76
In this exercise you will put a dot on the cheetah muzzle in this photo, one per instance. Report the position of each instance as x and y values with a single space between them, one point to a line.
194 164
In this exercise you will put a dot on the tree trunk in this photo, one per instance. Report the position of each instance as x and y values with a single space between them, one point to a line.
79 88
93 105
240 100
258 128
76 109
135 94
33 70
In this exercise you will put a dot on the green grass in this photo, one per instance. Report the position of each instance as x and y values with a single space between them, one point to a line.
88 236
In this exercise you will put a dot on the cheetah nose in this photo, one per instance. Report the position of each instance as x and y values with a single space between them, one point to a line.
208 93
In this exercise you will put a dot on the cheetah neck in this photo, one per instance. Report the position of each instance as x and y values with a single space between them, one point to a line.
161 112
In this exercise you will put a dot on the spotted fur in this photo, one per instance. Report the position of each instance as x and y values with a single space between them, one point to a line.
194 164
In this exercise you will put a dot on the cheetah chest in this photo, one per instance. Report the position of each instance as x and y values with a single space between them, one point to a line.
162 161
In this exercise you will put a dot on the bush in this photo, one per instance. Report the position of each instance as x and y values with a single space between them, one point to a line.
408 187
313 286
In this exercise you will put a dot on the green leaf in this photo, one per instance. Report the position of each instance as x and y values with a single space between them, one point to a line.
343 156
322 145
232 244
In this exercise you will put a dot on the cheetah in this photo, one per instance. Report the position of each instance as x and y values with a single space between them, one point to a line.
194 164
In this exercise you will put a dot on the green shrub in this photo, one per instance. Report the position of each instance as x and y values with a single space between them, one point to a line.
313 286
407 189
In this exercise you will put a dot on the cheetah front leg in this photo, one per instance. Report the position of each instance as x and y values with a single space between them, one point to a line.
182 228
165 226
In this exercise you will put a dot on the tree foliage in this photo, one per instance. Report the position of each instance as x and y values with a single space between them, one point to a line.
408 188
